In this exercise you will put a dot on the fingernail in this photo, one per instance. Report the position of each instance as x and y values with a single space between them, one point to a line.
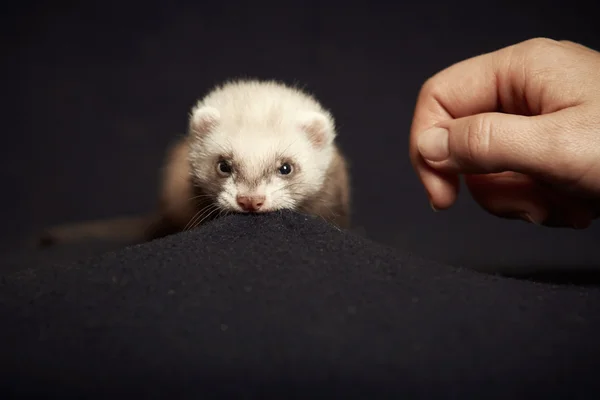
433 207
433 144
529 218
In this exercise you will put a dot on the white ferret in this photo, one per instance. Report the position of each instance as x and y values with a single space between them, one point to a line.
251 146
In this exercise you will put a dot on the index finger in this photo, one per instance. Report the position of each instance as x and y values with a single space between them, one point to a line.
466 88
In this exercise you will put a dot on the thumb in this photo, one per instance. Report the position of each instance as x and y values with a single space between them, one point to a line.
489 143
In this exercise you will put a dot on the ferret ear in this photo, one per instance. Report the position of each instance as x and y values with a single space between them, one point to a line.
318 127
203 119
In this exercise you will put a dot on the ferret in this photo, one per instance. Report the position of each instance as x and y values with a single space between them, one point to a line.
251 147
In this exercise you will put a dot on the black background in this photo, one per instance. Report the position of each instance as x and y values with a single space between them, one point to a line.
94 92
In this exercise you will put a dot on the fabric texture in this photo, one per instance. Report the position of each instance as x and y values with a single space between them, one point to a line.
285 305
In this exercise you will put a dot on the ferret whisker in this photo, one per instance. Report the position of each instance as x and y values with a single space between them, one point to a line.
207 211
323 218
199 215
283 188
282 153
185 177
200 196
191 219
208 215
295 185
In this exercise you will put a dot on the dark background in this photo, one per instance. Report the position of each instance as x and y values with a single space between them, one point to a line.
94 92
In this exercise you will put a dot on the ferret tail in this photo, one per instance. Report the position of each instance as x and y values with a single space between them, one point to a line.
132 230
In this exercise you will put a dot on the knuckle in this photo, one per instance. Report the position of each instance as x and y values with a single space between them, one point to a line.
539 58
477 140
567 42
556 149
540 45
429 87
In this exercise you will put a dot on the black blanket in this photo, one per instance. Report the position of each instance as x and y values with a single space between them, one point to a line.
285 305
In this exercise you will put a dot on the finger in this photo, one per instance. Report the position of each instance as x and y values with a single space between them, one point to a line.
517 196
465 88
577 46
509 195
492 82
492 143
442 189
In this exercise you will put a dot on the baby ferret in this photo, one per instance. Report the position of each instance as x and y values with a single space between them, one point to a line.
251 147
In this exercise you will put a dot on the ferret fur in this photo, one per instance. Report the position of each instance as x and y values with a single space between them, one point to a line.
254 127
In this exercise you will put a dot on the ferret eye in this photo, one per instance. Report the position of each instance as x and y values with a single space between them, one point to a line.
285 169
224 167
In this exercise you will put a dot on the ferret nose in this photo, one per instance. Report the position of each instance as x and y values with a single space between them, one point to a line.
250 203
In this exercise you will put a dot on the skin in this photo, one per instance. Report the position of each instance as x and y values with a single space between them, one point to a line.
522 126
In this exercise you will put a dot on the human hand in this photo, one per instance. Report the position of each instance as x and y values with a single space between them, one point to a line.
523 127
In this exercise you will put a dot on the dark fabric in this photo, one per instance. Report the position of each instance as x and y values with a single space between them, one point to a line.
284 304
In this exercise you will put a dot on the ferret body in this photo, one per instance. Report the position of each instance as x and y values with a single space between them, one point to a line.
251 146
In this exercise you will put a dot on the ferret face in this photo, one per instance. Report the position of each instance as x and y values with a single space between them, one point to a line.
260 165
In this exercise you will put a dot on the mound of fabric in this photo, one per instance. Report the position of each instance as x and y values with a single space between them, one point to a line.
286 306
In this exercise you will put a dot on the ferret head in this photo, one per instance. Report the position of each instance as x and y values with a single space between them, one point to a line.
260 163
